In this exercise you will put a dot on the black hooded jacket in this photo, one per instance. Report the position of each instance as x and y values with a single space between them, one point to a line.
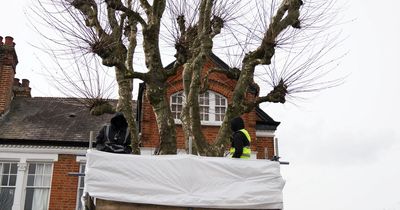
238 139
118 139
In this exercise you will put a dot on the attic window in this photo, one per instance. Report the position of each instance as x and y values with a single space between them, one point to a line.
212 107
72 115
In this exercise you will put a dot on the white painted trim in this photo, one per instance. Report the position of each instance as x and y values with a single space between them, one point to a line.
265 133
205 123
9 155
81 159
42 149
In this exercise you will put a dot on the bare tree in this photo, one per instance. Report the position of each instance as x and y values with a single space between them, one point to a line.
255 33
109 29
84 79
297 31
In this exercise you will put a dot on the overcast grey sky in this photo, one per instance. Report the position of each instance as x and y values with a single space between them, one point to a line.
343 144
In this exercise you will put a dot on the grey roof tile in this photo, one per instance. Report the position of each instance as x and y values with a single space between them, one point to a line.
49 119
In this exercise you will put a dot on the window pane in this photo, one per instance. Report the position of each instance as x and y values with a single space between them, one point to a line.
36 199
220 107
6 198
30 180
13 180
31 169
82 182
4 180
6 168
14 168
28 199
176 105
46 180
47 168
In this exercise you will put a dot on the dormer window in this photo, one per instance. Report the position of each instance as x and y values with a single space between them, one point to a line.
212 107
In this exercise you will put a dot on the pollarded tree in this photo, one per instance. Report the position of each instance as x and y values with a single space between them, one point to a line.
112 28
270 26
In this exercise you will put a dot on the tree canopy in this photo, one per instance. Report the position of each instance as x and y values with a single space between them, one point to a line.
279 47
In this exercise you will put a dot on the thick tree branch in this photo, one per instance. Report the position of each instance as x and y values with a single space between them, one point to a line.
131 33
146 6
217 24
158 8
264 53
277 95
117 5
90 11
112 20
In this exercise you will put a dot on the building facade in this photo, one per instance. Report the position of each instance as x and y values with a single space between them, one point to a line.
213 104
43 140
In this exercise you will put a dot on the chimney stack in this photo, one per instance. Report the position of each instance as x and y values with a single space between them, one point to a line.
21 89
9 41
8 63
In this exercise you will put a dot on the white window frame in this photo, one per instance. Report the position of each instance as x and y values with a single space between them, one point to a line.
26 187
23 159
173 103
8 174
211 108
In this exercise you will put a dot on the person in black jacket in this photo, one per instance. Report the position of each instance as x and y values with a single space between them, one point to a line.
240 140
115 137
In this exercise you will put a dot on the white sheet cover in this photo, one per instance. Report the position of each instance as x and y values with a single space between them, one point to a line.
184 180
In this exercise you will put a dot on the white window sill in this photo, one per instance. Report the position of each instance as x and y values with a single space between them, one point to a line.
206 123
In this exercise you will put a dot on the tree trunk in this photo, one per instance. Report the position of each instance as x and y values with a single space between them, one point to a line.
125 106
165 122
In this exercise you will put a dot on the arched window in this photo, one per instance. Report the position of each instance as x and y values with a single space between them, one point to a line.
212 107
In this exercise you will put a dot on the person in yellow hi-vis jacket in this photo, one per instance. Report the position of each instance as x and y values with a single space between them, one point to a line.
240 140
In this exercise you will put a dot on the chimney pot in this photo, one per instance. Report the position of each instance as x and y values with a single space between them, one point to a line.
1 40
16 82
9 41
25 83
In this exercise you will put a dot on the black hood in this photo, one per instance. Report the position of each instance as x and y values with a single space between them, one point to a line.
119 121
237 124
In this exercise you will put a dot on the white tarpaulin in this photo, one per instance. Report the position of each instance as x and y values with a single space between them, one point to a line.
184 180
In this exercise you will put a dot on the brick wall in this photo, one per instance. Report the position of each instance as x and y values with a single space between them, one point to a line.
265 147
219 83
63 187
8 62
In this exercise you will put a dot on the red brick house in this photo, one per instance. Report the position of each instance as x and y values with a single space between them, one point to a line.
44 139
213 105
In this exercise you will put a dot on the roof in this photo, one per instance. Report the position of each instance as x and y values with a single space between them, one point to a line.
213 57
264 121
41 120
